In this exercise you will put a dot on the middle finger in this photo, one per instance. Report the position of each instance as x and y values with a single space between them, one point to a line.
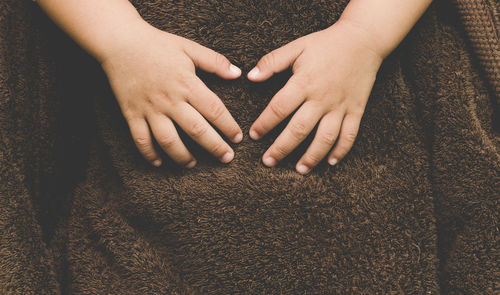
211 107
200 131
301 124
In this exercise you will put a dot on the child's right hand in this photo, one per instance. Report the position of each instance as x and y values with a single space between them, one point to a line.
153 78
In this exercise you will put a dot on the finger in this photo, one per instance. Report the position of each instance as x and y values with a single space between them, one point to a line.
200 131
348 133
328 130
167 137
275 61
139 130
213 109
301 124
211 61
281 106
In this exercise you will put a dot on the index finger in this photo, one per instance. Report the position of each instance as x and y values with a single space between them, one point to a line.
281 106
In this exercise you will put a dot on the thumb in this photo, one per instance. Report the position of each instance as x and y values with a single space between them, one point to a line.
275 61
212 61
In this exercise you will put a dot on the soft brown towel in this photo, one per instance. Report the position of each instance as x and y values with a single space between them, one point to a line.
413 208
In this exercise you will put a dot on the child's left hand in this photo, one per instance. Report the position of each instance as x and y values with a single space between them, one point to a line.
333 74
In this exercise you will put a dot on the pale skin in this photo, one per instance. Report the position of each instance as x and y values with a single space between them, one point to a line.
152 74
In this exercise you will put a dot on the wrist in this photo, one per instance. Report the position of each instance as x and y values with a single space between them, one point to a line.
357 39
97 26
370 38
385 23
122 38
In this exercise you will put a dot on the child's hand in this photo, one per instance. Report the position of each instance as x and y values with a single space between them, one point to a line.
154 80
333 74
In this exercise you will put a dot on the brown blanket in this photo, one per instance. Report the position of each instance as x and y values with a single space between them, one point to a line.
413 208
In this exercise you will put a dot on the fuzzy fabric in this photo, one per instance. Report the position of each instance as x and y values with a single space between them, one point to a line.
413 208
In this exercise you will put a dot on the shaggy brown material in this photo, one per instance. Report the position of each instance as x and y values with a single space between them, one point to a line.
413 208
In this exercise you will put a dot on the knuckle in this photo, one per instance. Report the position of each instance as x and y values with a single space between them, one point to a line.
145 148
185 81
350 137
164 109
155 101
216 109
166 141
171 98
221 60
142 142
276 107
312 158
197 129
150 100
328 138
218 149
298 130
279 151
268 60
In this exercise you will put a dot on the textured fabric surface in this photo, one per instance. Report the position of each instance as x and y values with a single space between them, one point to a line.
413 208
480 20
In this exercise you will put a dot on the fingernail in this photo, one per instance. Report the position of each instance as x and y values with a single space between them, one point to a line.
234 70
157 163
227 157
302 169
253 73
269 161
253 134
238 137
191 164
332 161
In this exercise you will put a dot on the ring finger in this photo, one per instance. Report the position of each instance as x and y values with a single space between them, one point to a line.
167 137
327 133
